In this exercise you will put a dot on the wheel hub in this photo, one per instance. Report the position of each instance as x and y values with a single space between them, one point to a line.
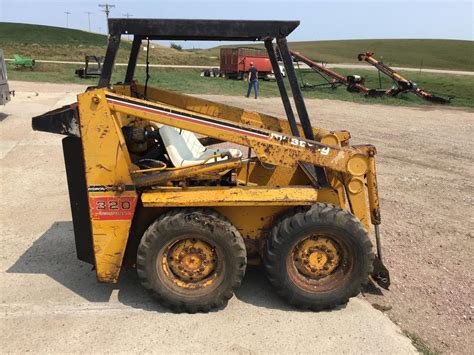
316 257
191 260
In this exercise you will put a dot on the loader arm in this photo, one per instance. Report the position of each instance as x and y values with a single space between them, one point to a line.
271 147
230 113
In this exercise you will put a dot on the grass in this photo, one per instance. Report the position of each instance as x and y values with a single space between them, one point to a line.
189 81
413 53
420 344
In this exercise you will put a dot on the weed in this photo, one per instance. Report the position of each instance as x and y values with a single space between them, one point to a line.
420 344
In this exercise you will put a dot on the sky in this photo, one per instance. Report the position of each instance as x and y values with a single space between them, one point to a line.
320 20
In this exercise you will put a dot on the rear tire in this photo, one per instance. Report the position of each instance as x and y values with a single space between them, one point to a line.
191 260
318 258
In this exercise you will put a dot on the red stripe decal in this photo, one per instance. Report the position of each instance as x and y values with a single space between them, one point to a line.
188 119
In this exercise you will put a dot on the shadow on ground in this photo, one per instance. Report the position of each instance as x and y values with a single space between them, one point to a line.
3 116
54 254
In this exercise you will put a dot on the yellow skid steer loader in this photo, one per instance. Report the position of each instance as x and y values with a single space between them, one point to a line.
149 188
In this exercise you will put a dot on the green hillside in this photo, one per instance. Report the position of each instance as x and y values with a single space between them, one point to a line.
25 34
57 43
430 53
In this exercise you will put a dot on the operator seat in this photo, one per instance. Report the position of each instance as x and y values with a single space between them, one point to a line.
185 149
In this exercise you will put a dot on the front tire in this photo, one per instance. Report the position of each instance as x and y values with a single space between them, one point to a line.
318 258
192 260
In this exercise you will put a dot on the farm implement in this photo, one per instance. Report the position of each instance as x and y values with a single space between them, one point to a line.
92 67
353 83
402 85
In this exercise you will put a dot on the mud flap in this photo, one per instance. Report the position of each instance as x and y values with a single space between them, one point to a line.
76 180
380 274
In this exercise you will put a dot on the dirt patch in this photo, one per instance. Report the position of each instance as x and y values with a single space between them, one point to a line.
426 173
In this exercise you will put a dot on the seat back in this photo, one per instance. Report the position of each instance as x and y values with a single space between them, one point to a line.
182 146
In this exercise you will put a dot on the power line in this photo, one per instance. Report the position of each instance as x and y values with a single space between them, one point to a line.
67 18
89 18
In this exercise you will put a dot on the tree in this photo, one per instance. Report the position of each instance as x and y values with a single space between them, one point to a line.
176 46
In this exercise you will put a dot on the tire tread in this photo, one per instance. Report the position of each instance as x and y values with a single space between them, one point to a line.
176 218
284 231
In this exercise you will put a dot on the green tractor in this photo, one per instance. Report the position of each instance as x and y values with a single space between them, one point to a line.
23 62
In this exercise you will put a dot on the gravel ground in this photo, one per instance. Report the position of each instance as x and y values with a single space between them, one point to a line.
426 175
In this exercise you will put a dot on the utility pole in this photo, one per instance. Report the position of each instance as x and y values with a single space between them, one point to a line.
89 18
106 8
67 18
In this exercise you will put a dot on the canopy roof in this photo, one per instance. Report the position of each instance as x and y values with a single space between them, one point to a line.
202 30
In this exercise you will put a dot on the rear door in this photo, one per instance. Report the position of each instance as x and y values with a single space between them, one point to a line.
4 90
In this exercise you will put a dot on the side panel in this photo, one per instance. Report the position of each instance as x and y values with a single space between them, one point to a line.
262 64
237 196
76 181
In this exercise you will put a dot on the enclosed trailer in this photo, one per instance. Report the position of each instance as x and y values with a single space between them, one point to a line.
235 62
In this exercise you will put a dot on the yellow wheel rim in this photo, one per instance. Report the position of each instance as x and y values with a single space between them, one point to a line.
190 263
316 257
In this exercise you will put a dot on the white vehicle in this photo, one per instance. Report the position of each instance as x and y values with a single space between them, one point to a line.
4 90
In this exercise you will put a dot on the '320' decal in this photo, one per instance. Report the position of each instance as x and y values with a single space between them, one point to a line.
112 208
